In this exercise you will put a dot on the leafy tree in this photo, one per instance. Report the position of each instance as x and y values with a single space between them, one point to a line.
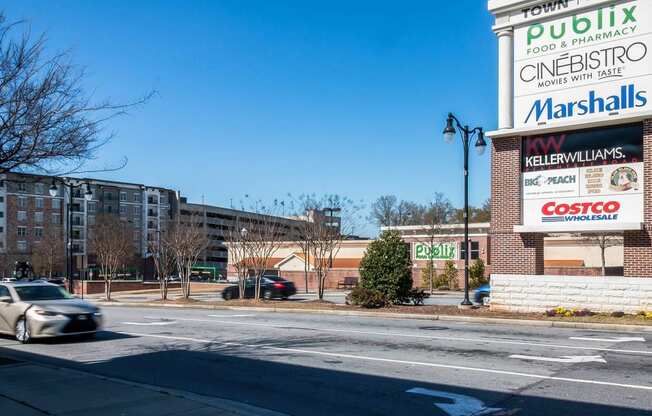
450 274
387 267
477 277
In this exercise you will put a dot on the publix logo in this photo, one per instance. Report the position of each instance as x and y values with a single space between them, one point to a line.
580 211
606 19
593 103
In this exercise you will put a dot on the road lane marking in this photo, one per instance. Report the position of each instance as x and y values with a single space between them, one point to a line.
462 405
149 323
429 337
392 361
568 359
611 339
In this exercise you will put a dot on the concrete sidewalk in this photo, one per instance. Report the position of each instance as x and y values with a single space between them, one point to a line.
29 389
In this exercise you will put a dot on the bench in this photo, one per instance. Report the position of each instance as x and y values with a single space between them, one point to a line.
347 283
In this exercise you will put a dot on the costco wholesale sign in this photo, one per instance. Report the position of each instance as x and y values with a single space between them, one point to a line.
583 180
586 66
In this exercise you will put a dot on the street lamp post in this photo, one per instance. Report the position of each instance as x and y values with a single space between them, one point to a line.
450 132
71 184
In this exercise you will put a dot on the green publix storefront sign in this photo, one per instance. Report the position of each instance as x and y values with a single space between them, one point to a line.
439 251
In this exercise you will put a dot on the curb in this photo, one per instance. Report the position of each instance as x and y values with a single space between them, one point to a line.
392 315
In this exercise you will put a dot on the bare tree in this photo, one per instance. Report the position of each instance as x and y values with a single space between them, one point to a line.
326 231
603 242
164 262
437 213
263 238
238 246
186 241
383 210
110 240
48 255
46 119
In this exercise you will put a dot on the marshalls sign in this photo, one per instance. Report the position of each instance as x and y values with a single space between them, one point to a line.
586 66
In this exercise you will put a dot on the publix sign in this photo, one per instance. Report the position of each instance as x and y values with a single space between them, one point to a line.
590 65
436 251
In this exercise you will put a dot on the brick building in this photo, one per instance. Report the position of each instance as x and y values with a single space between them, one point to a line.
30 215
573 149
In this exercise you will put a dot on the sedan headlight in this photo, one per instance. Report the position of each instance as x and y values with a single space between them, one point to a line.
46 313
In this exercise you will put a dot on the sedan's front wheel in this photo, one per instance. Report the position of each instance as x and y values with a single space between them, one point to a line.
22 331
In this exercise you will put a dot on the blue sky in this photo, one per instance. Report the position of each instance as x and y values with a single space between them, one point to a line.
266 97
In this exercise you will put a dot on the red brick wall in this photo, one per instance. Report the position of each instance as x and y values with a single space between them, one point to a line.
334 276
638 244
510 253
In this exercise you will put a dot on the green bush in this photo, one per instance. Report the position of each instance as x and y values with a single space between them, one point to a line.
428 274
477 277
366 298
450 275
387 268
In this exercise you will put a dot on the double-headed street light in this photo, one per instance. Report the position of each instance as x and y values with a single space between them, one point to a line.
450 131
71 184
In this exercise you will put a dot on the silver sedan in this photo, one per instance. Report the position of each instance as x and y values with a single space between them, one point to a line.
42 310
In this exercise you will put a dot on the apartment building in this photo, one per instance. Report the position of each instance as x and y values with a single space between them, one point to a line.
35 207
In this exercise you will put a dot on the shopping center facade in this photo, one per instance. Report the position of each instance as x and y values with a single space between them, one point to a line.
573 148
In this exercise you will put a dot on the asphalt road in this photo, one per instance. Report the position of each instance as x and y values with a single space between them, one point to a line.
305 364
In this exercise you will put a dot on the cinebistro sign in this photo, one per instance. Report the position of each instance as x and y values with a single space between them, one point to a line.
587 66
437 251
583 179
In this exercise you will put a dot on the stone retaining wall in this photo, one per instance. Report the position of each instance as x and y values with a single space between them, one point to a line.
532 293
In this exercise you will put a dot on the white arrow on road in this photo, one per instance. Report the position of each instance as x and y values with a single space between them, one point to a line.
462 405
568 359
614 339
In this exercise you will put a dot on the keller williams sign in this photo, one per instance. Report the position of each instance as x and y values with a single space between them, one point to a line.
588 66
584 179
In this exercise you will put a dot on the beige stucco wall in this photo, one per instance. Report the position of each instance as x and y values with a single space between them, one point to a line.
565 248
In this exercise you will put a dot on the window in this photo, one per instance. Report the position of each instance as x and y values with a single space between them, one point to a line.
91 207
123 210
21 215
22 187
21 245
2 199
475 250
91 220
109 209
123 196
38 217
56 203
38 232
4 292
22 202
77 234
2 229
38 188
56 218
2 214
22 231
39 203
136 197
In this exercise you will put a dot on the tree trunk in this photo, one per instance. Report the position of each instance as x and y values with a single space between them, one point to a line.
107 289
602 255
305 270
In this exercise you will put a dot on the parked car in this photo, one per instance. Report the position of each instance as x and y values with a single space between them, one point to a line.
483 295
42 310
8 280
271 287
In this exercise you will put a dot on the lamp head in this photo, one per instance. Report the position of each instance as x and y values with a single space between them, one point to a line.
480 144
449 130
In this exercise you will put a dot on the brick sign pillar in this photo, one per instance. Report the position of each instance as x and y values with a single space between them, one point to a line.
511 253
638 244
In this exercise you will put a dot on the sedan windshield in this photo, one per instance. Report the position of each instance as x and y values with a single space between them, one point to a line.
31 293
